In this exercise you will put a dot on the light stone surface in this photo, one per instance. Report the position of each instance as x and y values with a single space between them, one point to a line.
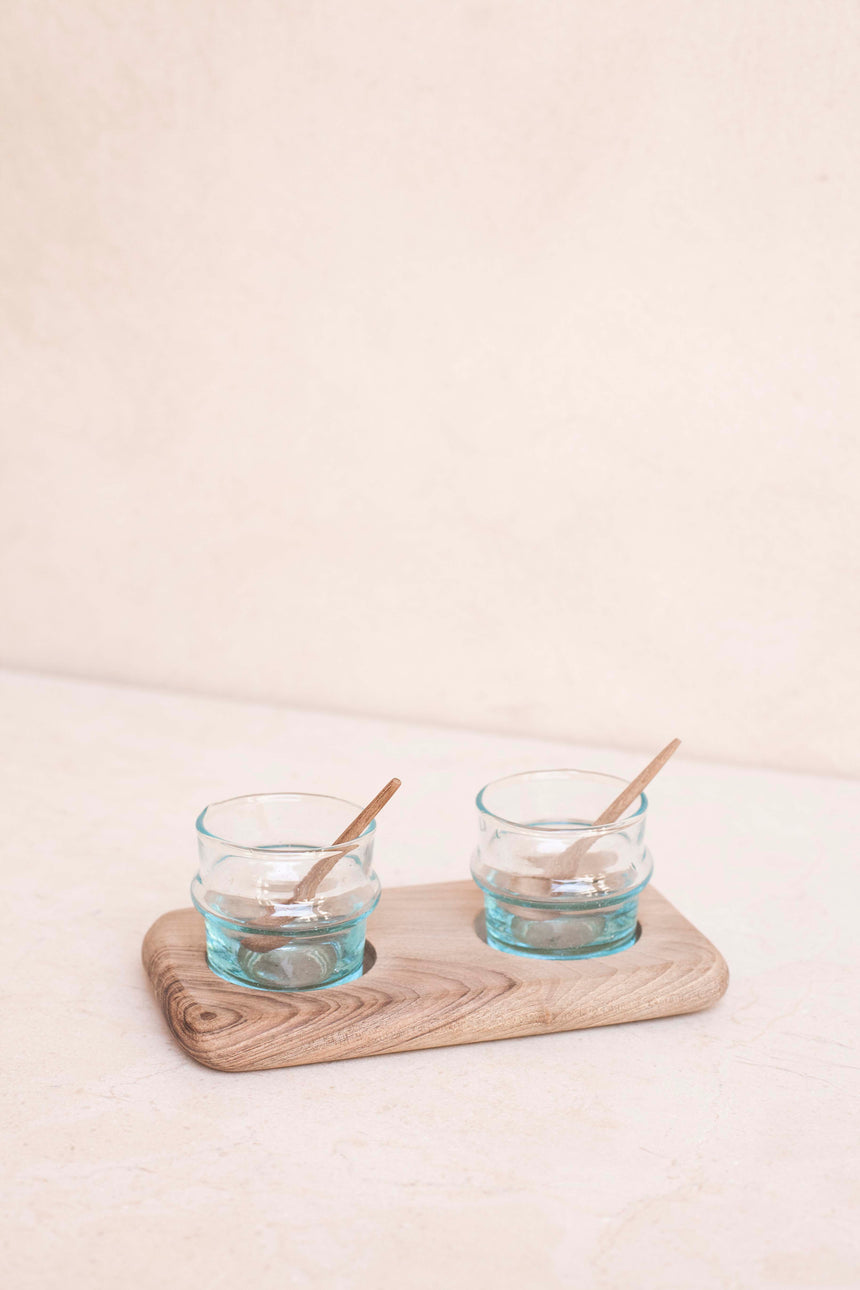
717 1150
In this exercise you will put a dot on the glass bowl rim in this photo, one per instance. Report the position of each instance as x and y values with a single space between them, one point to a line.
292 851
640 804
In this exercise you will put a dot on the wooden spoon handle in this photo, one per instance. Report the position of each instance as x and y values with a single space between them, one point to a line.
307 886
573 854
628 795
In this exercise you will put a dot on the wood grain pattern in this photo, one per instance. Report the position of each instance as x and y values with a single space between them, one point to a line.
434 982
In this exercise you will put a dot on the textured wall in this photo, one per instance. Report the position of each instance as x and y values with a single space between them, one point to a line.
493 363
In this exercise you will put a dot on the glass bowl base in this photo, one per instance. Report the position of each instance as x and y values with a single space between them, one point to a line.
552 934
314 961
586 953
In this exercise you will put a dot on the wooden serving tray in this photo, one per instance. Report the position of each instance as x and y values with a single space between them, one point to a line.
429 981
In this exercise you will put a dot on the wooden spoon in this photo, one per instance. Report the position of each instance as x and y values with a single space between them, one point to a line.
573 854
306 887
563 867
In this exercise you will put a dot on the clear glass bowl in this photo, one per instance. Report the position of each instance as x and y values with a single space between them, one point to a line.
253 852
554 885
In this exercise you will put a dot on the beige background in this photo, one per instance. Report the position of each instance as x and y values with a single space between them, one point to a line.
488 363
715 1151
